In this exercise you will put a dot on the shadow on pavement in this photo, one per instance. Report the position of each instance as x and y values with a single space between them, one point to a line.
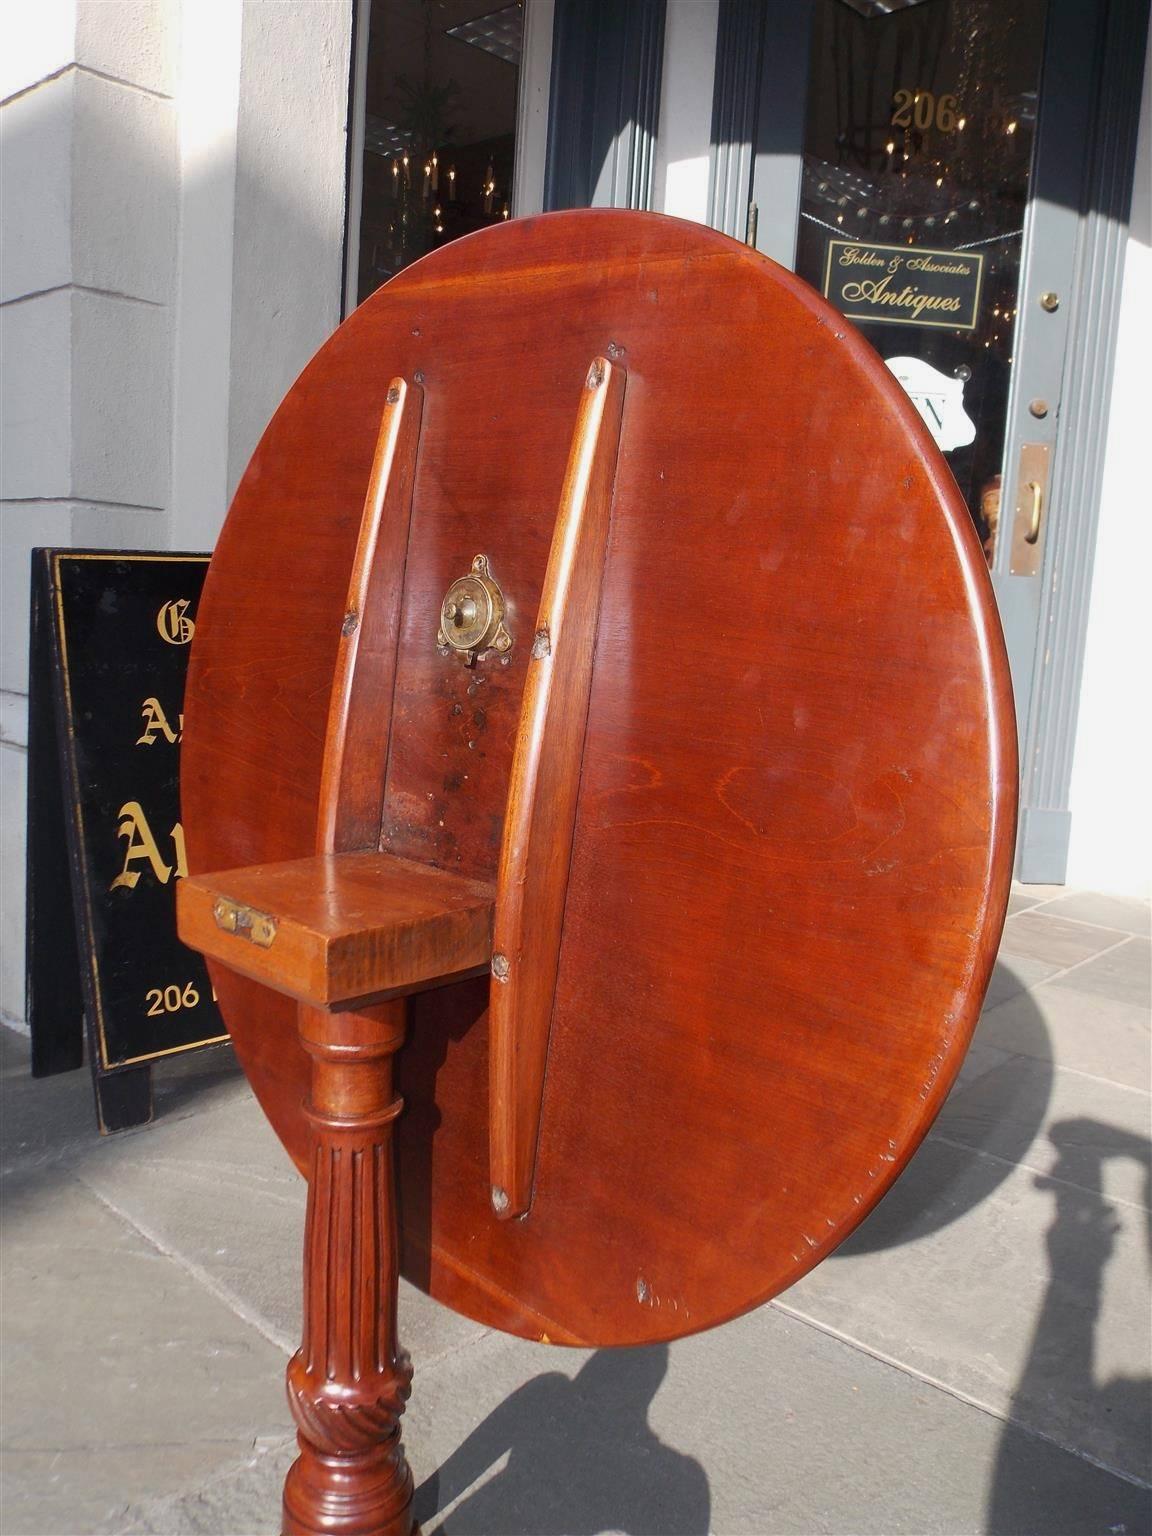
1061 1359
581 1459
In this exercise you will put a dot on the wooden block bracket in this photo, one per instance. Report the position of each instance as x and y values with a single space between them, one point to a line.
341 931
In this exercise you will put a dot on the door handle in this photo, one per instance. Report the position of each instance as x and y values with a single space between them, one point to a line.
1031 500
1036 491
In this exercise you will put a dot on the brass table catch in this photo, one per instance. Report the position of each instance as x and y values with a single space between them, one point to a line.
472 616
245 922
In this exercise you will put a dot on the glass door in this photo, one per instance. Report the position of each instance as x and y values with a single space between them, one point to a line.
951 174
917 163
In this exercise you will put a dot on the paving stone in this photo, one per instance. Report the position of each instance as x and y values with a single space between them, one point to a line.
1085 1033
1013 975
1054 940
764 1426
219 1191
47 1119
1127 913
1038 892
1029 1298
1122 974
1011 1114
979 1059
240 1499
119 1369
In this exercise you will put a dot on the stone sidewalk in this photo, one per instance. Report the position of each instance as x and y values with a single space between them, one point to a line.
975 1359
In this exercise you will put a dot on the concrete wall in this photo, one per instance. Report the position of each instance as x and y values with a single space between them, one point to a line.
290 176
171 233
1111 800
88 263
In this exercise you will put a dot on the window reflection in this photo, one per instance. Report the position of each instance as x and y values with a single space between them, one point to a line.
440 118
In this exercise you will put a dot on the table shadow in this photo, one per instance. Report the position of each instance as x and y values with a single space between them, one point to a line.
579 1458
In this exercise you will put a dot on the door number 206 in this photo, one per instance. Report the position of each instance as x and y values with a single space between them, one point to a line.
921 109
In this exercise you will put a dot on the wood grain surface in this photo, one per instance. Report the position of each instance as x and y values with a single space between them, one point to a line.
793 837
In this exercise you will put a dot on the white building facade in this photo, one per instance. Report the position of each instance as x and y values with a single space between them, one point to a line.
193 194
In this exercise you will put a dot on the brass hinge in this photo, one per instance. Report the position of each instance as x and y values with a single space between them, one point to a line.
245 922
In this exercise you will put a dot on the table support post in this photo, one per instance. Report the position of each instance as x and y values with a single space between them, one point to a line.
349 1381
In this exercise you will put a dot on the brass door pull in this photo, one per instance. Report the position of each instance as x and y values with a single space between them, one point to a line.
1030 505
1036 491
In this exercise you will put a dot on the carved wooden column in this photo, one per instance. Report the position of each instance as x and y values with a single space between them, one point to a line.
348 1383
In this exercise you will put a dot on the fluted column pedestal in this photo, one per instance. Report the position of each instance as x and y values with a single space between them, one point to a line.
349 1381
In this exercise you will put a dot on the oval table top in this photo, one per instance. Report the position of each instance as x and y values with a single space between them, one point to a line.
796 810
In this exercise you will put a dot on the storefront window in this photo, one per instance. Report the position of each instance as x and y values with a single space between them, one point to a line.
917 162
439 128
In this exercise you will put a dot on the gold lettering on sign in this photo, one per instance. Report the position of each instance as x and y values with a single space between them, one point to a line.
924 110
156 724
859 256
173 623
142 848
926 264
907 298
177 835
902 285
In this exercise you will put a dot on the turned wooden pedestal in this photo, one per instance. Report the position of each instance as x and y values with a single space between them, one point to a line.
349 1381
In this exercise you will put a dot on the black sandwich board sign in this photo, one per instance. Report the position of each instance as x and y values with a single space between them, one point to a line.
109 654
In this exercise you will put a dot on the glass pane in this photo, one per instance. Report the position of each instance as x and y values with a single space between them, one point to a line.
439 133
917 159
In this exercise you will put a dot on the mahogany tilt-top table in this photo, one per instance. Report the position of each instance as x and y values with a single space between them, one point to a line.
599 790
